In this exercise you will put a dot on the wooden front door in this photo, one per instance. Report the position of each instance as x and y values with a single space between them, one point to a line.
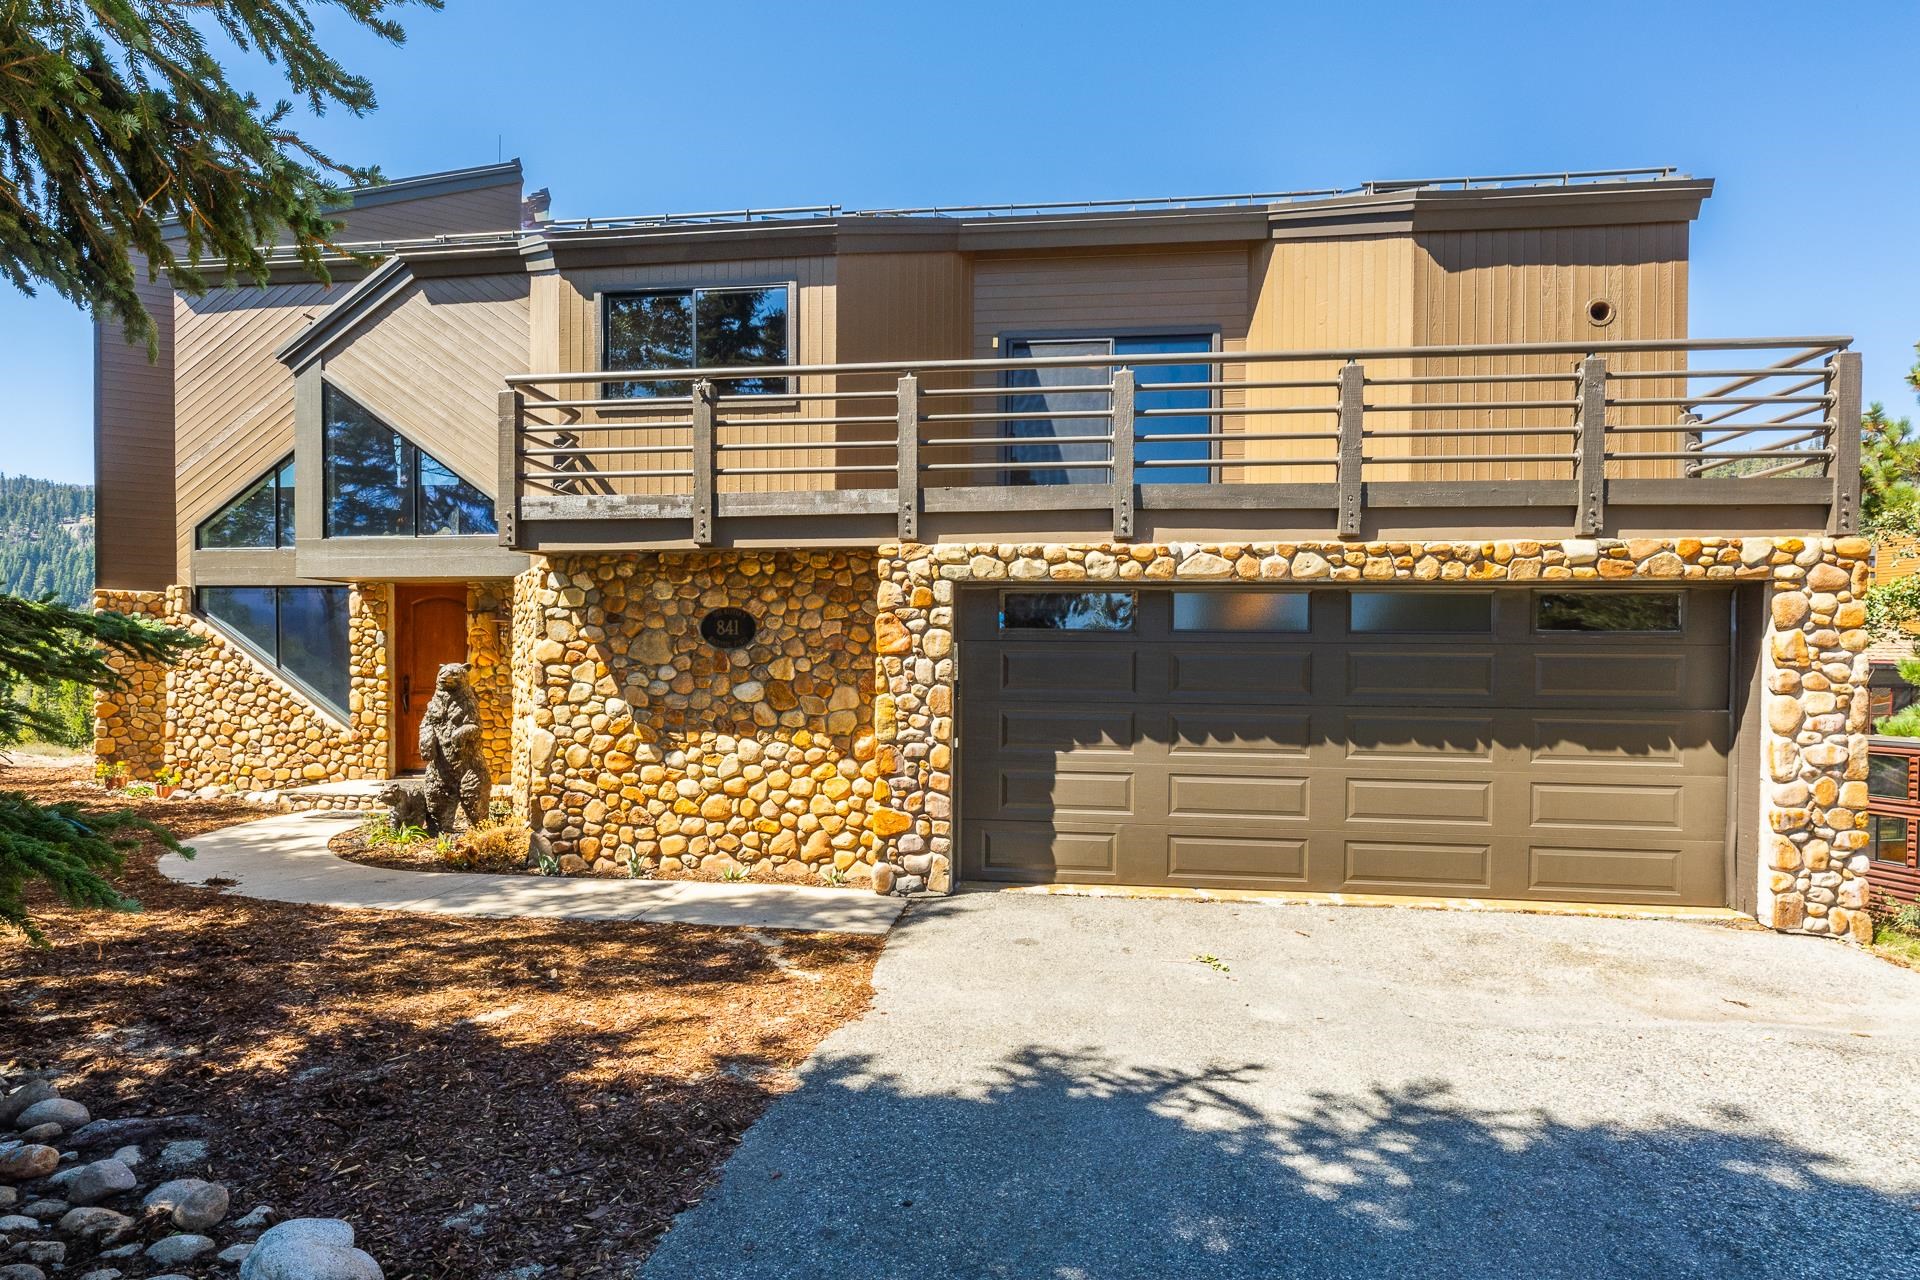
430 630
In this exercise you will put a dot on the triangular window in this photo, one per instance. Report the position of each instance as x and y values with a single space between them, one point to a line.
381 484
260 517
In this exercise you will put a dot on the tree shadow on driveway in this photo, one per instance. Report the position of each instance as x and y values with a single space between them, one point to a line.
1068 1166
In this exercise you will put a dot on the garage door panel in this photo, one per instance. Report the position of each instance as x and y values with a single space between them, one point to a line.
1054 729
1627 679
1048 794
1053 669
1195 795
1251 736
1657 807
1591 739
1418 739
1417 866
1027 851
1616 873
1278 863
1238 672
1415 676
1418 800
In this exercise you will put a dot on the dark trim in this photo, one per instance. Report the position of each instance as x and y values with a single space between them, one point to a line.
320 702
444 183
438 557
247 567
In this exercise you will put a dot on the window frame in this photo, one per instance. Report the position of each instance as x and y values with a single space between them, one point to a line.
414 489
282 536
605 298
1491 630
1533 612
1303 594
272 660
1129 632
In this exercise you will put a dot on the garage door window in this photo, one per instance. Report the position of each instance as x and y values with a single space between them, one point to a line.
1066 611
1239 611
1644 612
1460 612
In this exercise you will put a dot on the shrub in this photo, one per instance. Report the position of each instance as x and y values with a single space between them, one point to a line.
498 844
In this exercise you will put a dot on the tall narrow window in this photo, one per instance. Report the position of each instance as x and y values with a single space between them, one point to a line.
697 328
262 516
299 631
379 483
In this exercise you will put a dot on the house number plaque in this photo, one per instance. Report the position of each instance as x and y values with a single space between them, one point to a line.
728 628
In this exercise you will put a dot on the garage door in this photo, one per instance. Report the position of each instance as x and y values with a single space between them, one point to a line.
1565 745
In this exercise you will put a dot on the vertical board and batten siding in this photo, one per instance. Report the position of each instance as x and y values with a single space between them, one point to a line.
133 451
899 306
1535 285
430 362
573 298
1316 295
1197 290
233 402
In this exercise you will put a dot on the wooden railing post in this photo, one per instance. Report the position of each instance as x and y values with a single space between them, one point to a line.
1590 450
1122 453
1843 437
702 463
506 501
907 478
1348 475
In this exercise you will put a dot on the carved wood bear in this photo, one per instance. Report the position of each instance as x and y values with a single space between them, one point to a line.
457 776
406 804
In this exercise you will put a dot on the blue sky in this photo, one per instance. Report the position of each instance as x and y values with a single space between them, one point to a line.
1806 116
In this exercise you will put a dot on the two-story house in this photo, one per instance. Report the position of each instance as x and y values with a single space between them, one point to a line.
1392 541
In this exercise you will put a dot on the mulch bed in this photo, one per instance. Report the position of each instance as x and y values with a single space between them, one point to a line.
582 1080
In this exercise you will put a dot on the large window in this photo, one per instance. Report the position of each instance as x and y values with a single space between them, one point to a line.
301 631
260 517
1162 399
697 328
1630 611
1066 611
380 483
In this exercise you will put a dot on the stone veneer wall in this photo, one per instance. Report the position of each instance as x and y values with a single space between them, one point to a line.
1814 745
488 607
646 748
227 719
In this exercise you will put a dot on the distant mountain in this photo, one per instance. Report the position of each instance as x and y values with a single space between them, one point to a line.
46 538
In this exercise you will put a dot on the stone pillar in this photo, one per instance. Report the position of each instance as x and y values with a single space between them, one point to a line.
1815 750
491 672
130 723
913 716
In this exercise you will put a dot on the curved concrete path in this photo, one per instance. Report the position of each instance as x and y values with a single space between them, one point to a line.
285 859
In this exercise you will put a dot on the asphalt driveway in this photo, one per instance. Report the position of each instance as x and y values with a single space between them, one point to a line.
1069 1088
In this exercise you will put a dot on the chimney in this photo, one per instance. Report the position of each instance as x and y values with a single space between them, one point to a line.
534 209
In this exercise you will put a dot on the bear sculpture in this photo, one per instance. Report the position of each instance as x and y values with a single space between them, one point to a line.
406 804
457 776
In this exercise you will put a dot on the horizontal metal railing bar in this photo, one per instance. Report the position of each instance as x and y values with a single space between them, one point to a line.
837 420
669 423
1001 392
1024 415
1818 433
635 404
1457 379
1819 378
1235 411
787 446
1696 456
1158 436
1646 374
1298 384
1472 406
1781 470
1460 350
952 442
1422 459
776 396
1741 430
1441 433
1212 463
848 469
575 451
1016 466
577 476
1745 401
1687 428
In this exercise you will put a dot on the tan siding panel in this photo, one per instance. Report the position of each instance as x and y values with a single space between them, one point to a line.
431 361
897 306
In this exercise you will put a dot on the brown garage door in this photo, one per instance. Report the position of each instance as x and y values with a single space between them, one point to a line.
1503 743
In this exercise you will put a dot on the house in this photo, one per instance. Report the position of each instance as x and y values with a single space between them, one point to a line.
1389 541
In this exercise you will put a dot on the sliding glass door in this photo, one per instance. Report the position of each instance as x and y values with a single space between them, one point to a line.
1047 452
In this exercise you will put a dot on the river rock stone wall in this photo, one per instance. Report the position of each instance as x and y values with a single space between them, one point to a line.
489 606
648 749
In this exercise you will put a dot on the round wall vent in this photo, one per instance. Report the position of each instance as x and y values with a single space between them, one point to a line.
1600 313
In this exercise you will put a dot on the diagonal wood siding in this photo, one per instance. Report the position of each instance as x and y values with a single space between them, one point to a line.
431 361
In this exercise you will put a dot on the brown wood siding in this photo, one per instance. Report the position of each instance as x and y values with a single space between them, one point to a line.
133 452
1534 286
897 306
813 337
1312 295
233 402
430 362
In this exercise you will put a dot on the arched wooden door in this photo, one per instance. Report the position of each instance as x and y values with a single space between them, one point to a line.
430 629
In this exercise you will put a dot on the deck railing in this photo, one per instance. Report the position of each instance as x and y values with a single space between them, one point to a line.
1751 422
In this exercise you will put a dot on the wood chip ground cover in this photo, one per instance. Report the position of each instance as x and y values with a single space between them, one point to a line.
582 1080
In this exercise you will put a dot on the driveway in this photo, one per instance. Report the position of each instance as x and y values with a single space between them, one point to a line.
1057 1087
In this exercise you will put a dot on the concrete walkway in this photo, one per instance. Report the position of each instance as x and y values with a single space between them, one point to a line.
286 859
1052 1088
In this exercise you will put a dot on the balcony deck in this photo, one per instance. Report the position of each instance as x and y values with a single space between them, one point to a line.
1733 436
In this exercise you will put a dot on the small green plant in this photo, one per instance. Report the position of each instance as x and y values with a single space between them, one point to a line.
380 831
500 810
1906 917
632 863
141 790
167 776
549 865
834 876
1212 962
732 874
